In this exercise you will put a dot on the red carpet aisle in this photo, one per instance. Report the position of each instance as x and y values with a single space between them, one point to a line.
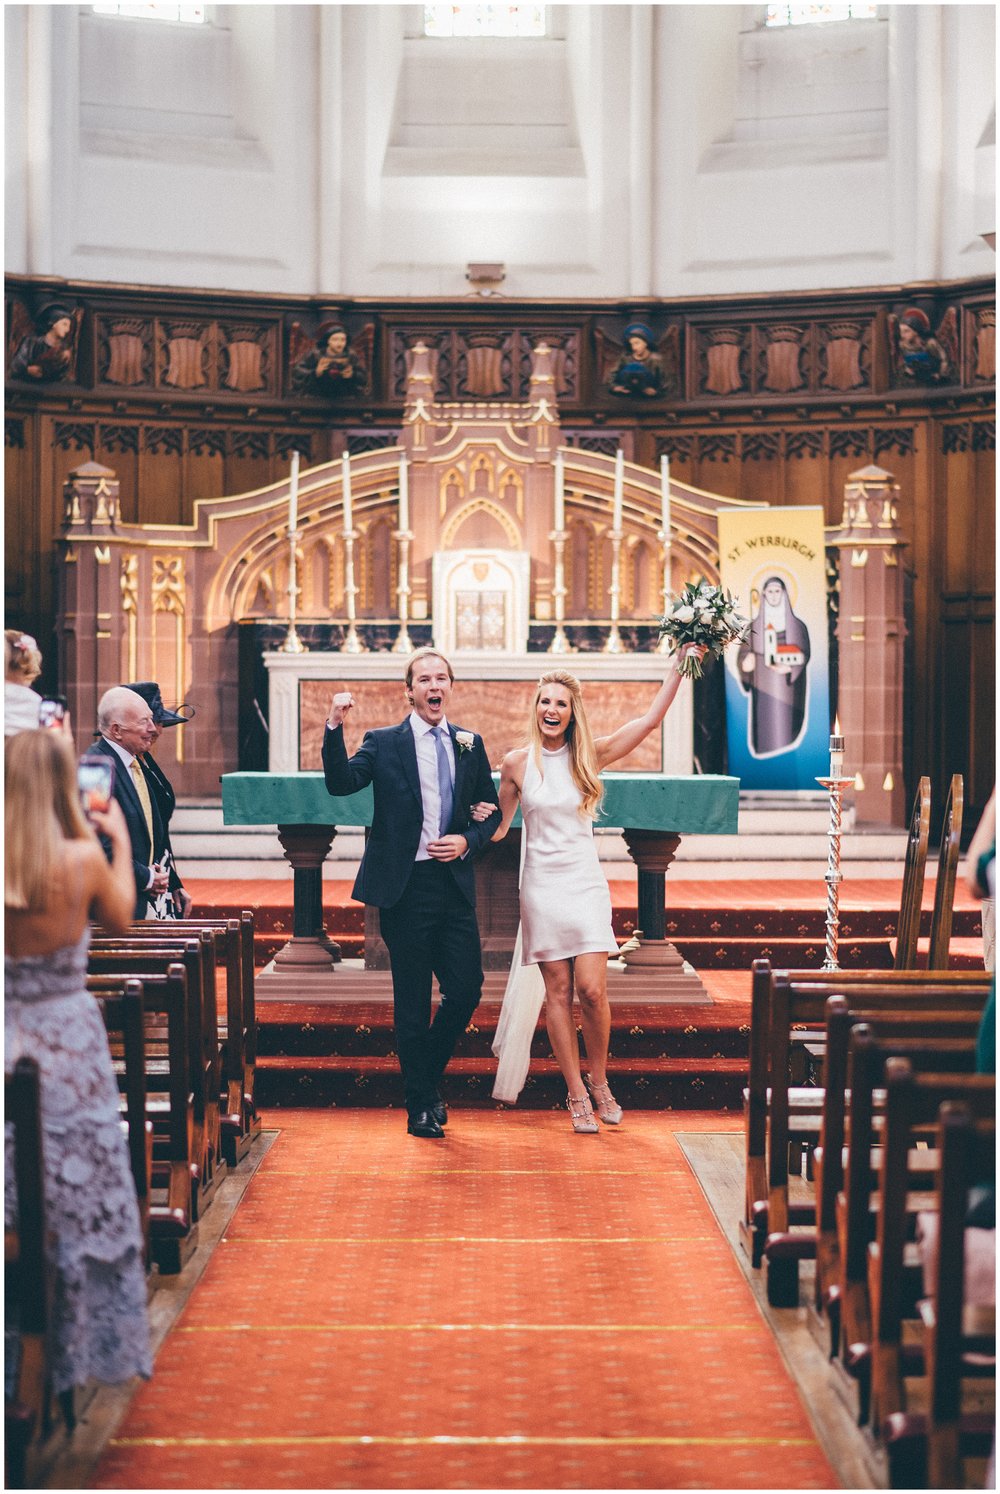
513 1307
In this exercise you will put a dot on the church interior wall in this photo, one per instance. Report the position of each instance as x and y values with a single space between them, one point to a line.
637 150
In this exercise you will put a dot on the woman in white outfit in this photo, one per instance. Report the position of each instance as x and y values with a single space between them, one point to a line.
565 900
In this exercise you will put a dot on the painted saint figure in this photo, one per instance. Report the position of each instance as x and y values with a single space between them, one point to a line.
639 371
332 367
771 667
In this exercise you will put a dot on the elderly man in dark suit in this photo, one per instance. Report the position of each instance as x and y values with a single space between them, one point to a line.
417 869
180 901
125 722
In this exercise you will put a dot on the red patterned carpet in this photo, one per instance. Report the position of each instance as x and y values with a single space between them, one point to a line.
513 1307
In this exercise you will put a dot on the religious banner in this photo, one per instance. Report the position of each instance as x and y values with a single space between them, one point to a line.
777 679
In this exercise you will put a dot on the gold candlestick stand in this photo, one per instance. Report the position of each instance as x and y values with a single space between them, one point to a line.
293 643
403 644
834 876
664 644
614 643
560 643
352 644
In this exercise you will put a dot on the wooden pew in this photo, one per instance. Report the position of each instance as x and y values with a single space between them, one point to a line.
801 1002
945 1041
151 956
27 1275
172 1223
239 1120
912 1102
755 1224
927 1450
124 1022
911 898
944 887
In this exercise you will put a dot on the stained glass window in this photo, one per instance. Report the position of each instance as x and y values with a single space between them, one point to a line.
805 15
193 14
484 20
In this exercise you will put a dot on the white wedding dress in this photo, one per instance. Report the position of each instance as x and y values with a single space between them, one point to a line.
565 907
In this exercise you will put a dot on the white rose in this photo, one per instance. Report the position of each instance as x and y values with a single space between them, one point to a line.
464 739
683 614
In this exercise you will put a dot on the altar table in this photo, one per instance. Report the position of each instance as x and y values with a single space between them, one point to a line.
652 810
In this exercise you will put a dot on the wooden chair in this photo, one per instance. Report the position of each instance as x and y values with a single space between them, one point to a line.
805 1002
124 1022
944 887
944 1041
954 1327
769 1096
908 927
912 1102
150 956
173 1225
237 1034
27 1275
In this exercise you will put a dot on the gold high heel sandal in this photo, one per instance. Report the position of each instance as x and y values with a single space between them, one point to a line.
605 1103
582 1116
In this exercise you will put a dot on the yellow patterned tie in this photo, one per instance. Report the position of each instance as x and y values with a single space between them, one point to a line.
142 789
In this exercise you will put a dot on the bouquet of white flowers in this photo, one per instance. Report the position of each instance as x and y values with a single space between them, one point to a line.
705 615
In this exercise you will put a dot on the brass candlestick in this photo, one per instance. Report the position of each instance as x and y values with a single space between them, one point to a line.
614 643
293 643
560 643
352 644
403 644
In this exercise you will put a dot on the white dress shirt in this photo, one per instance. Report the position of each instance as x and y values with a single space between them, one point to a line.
430 793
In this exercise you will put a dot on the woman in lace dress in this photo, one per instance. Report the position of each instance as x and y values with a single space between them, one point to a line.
57 877
565 901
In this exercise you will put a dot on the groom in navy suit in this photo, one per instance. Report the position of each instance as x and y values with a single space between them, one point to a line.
417 869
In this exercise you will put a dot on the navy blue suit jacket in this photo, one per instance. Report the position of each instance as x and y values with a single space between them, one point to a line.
387 759
143 854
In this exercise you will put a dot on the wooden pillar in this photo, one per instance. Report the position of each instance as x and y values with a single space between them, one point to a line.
89 620
871 633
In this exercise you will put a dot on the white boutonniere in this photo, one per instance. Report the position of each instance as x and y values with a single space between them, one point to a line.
465 740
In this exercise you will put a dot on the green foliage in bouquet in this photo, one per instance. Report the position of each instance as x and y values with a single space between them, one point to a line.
705 615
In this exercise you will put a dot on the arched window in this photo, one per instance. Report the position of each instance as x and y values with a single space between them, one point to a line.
484 20
809 15
192 15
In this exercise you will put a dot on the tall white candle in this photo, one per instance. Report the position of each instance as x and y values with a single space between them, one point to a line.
293 495
559 514
616 517
345 462
404 496
665 495
836 751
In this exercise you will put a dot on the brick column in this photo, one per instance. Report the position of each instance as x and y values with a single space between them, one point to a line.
871 632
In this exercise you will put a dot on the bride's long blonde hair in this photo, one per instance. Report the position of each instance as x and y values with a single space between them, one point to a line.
579 738
41 812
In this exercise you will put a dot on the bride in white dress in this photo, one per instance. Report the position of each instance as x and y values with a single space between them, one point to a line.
565 900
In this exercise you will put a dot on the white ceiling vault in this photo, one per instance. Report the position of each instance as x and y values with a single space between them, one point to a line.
635 150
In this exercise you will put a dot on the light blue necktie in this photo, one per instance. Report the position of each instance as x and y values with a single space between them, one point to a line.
444 779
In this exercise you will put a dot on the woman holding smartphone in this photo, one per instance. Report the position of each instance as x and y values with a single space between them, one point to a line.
57 879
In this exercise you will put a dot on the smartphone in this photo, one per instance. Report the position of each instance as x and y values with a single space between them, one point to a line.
95 777
52 712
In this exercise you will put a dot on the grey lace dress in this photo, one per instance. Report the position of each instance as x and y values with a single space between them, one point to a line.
100 1325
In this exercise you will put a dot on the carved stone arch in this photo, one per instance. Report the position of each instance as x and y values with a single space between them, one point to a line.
511 532
483 463
642 585
581 553
511 490
452 489
378 569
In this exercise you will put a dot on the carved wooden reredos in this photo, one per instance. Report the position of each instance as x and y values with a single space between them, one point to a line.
141 601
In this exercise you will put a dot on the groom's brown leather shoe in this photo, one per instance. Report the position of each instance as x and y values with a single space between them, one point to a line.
423 1123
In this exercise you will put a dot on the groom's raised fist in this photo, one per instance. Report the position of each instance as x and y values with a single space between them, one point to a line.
342 702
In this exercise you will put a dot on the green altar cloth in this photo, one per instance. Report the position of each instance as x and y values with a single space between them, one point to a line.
704 804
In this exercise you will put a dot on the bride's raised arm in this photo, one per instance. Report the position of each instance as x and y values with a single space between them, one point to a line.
509 793
623 741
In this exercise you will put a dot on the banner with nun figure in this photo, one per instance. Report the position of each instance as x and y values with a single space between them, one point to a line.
777 681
